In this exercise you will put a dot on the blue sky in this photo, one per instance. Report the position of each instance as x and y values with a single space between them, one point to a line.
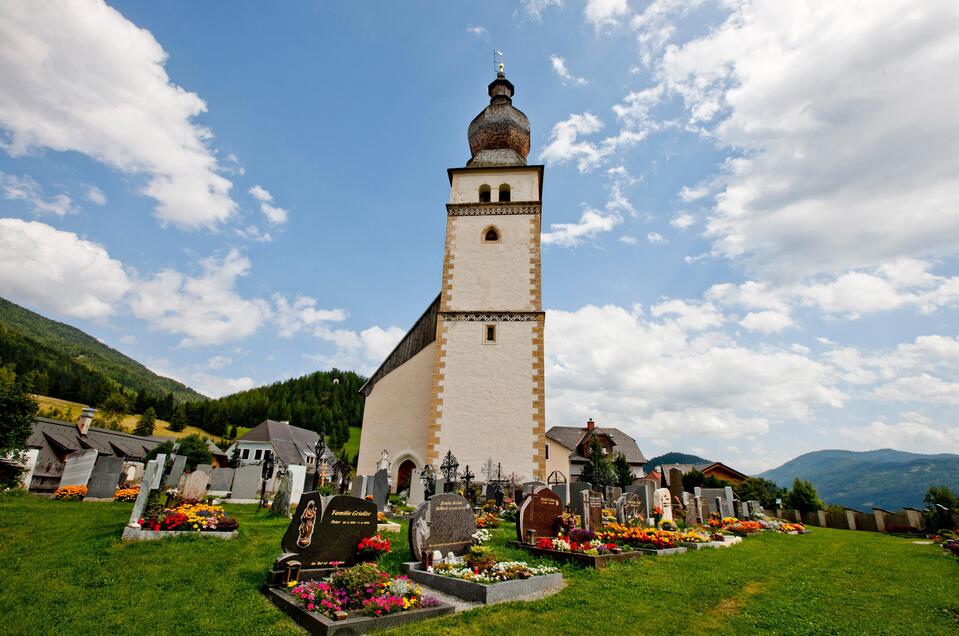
750 209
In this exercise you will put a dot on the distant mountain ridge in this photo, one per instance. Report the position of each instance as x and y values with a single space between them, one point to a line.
67 363
862 480
677 458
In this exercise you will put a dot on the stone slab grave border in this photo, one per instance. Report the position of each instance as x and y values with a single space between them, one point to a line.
663 552
316 623
586 560
486 593
135 534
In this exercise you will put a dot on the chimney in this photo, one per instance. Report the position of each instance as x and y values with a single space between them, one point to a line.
590 424
86 418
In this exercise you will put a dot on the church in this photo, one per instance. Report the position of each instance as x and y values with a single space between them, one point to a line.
468 377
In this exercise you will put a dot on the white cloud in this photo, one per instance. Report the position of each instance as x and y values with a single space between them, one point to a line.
478 31
253 233
95 195
559 67
605 13
57 271
128 339
921 388
275 215
362 351
672 377
683 220
302 313
696 193
105 94
563 145
766 321
627 239
656 238
25 188
206 308
536 8
915 433
218 362
842 117
217 386
591 223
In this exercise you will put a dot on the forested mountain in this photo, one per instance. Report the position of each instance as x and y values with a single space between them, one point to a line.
62 361
325 399
676 458
884 478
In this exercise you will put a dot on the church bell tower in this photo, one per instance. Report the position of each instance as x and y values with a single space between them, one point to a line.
488 391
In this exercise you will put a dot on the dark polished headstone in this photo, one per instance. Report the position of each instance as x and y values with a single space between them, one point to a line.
176 471
381 489
105 477
325 536
593 505
539 512
445 523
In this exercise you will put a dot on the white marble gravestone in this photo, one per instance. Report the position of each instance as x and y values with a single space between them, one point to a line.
663 499
297 482
79 466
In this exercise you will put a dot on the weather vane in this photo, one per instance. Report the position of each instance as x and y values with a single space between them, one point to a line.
499 63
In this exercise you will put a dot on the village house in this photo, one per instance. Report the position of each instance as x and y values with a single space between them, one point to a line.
286 444
567 449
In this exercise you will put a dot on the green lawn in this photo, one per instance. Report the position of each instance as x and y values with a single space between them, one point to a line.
352 445
66 572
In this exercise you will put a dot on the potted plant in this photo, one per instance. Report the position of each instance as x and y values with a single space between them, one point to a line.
480 558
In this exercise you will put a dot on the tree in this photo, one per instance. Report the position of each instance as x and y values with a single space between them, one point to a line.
803 496
114 409
179 420
598 471
696 478
235 457
18 411
623 471
942 496
193 447
233 432
762 490
146 423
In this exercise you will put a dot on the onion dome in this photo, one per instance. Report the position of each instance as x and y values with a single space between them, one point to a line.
499 136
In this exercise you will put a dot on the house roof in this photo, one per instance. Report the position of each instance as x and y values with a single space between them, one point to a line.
65 435
715 465
684 468
571 436
290 443
421 334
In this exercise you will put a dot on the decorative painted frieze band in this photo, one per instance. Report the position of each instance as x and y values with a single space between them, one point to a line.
486 316
493 208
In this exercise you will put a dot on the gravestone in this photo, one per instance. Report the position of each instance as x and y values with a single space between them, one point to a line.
591 509
221 480
195 486
645 489
445 523
575 495
358 487
381 489
440 486
703 506
207 468
78 467
561 491
530 486
629 507
693 516
297 475
246 482
281 500
538 513
725 495
133 473
105 477
154 467
417 492
614 493
663 500
324 536
179 464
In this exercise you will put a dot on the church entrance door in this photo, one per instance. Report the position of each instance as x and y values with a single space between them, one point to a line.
404 474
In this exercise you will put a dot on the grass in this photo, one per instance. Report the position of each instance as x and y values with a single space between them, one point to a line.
129 422
63 560
352 445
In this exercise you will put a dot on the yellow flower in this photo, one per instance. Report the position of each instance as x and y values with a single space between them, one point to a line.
291 584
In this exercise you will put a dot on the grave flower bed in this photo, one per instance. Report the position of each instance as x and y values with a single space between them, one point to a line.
70 493
745 527
191 516
362 590
488 520
641 538
370 548
593 547
126 494
497 573
692 536
792 527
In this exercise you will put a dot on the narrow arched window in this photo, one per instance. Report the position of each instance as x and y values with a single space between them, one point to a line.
490 235
504 192
484 193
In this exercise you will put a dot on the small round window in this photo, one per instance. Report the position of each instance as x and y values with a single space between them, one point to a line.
490 235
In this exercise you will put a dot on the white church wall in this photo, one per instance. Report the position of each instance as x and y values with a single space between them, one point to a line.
491 276
523 183
396 413
487 397
558 458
